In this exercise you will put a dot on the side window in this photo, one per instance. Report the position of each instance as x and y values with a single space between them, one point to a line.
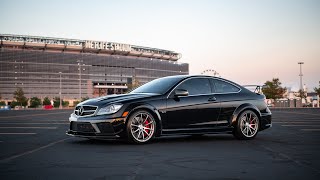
223 87
196 86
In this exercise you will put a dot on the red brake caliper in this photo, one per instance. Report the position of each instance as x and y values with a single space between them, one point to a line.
251 121
147 126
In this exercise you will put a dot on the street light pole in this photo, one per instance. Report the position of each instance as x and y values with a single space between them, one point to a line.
60 106
80 88
80 92
301 86
319 97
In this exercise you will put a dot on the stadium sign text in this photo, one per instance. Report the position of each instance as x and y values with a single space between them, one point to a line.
107 45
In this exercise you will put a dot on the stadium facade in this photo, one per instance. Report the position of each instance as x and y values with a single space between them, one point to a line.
44 66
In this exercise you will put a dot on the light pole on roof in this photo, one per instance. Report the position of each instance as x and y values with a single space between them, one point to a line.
60 105
301 86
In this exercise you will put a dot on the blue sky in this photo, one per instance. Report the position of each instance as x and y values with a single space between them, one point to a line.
246 41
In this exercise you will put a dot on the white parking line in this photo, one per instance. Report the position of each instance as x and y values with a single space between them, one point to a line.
28 127
32 151
297 125
32 120
298 113
310 129
288 122
17 133
3 117
33 123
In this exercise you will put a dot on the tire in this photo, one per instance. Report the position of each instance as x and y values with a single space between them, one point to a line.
247 126
141 127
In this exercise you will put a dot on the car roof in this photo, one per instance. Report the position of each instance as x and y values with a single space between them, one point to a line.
191 76
182 77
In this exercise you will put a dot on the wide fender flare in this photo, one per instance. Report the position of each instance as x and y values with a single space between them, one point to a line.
241 108
134 107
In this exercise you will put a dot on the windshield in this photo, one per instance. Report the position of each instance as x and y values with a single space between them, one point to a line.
158 86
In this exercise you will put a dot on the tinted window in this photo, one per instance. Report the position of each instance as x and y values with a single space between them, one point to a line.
158 86
224 87
196 86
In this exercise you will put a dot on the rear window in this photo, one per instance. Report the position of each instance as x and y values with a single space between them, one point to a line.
224 87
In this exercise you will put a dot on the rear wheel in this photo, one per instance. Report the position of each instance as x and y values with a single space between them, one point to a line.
141 127
247 125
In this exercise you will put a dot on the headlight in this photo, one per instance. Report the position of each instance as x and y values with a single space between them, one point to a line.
113 108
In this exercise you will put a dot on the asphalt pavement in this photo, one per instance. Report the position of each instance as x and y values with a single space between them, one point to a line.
33 145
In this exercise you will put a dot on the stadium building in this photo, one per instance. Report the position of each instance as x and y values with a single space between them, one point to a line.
44 67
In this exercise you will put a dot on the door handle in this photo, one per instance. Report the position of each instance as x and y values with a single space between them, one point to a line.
211 99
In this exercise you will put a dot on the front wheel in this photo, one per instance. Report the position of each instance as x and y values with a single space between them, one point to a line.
247 125
141 127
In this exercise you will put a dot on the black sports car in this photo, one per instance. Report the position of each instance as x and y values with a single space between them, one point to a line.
192 105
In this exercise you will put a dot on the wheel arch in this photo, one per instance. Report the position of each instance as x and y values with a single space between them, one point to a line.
240 109
149 108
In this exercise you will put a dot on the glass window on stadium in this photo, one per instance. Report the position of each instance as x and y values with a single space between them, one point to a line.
82 74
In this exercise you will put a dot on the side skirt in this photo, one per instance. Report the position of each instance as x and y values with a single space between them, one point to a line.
187 131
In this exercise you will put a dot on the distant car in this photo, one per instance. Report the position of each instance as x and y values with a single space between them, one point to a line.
3 108
186 105
48 107
18 107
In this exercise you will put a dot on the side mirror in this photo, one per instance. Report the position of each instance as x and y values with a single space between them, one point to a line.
181 92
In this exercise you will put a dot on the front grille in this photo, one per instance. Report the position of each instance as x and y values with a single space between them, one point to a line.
81 127
85 110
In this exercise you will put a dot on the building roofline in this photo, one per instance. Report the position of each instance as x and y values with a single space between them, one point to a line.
90 46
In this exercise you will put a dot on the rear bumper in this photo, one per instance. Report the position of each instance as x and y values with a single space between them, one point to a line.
266 121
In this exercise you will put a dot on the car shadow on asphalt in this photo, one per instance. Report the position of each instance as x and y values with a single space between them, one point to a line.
182 139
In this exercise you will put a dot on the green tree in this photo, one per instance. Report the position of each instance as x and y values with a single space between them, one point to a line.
273 90
2 103
46 101
19 96
35 102
14 104
56 102
84 99
317 90
75 103
65 103
301 94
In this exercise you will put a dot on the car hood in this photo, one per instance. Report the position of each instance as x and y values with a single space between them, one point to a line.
116 98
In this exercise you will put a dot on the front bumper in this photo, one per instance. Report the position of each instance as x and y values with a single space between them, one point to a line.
92 135
95 127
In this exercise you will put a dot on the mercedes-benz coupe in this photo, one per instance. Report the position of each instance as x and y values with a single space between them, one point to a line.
183 105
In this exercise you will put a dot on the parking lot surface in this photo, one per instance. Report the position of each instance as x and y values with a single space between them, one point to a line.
33 145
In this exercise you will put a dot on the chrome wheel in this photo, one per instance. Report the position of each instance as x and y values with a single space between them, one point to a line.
249 124
142 126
